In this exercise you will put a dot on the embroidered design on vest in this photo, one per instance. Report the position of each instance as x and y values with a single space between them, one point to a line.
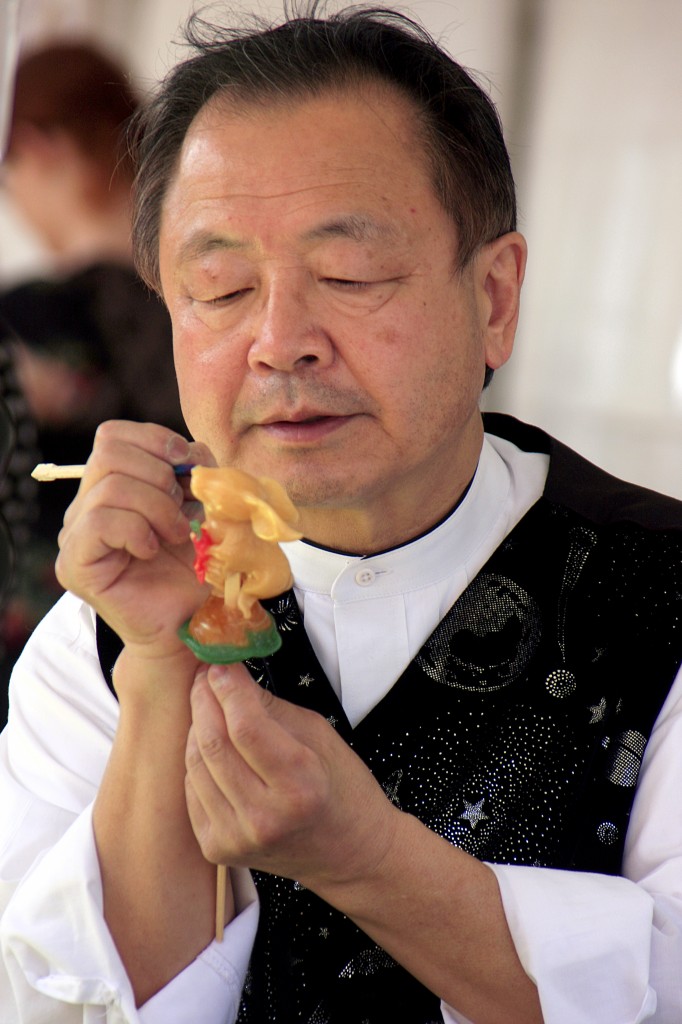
487 640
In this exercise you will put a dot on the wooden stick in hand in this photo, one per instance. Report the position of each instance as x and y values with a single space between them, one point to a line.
46 471
221 888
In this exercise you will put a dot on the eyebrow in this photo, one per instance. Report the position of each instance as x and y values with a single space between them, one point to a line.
201 243
356 227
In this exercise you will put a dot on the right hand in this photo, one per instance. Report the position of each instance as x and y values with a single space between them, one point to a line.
125 546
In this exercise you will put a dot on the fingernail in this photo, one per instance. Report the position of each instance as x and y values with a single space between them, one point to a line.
201 671
218 675
177 449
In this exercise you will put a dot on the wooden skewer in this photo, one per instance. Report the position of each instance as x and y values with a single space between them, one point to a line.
45 471
221 887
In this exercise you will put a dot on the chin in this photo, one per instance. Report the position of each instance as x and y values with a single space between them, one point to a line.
311 490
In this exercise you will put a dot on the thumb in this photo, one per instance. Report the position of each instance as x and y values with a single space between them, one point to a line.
234 683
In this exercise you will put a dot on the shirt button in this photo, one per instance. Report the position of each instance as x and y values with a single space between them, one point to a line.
365 577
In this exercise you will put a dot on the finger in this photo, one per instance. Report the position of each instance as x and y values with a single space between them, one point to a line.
212 814
114 455
148 453
200 455
118 519
232 812
161 509
207 806
267 733
109 530
99 556
210 746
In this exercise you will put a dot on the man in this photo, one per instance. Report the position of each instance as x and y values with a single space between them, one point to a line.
435 803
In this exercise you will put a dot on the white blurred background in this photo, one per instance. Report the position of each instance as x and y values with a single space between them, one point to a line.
590 93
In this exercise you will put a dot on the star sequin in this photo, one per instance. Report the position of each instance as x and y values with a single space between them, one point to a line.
474 813
391 786
305 680
597 711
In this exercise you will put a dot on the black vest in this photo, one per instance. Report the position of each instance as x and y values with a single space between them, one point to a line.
517 732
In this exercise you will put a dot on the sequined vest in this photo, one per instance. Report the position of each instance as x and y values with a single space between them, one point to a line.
517 733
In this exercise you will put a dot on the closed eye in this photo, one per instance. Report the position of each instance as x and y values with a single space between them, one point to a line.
341 282
223 300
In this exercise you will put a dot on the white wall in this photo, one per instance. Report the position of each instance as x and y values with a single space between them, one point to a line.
599 350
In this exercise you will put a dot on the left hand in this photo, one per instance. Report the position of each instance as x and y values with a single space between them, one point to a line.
272 786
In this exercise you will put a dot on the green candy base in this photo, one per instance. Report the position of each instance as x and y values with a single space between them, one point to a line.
260 643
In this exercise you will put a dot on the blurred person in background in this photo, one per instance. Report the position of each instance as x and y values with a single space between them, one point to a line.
65 169
92 343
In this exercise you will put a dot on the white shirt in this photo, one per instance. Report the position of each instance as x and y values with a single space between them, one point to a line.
602 950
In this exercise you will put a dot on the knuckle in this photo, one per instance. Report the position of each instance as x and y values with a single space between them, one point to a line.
268 699
303 764
265 829
109 489
304 803
212 746
106 431
211 848
245 732
193 760
61 567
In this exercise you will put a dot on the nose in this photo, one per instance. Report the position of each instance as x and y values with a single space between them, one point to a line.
286 333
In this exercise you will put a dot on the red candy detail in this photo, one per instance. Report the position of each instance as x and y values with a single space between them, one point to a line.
202 542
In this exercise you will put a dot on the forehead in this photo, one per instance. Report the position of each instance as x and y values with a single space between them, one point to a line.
359 149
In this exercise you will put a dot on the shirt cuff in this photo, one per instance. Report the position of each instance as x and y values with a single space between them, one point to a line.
218 973
451 1016
584 939
59 902
55 943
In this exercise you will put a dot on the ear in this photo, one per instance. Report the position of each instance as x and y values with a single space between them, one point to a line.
498 273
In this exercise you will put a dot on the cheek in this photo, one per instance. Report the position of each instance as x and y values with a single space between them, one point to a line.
209 379
433 379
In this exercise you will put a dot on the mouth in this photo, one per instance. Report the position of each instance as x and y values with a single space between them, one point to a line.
303 428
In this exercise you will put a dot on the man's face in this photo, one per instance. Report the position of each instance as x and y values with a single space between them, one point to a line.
322 335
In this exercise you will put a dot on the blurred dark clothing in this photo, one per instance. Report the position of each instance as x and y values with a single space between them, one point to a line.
74 352
104 323
18 517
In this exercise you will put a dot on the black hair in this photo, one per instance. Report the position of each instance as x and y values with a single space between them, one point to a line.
310 53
